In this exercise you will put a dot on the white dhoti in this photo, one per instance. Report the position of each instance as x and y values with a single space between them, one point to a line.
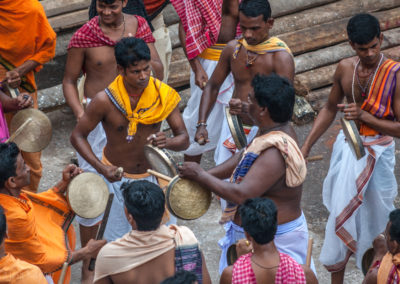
214 121
290 238
359 196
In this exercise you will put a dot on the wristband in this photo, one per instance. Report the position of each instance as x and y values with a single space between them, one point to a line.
201 124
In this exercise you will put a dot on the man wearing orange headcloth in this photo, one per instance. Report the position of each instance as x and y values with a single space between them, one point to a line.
27 41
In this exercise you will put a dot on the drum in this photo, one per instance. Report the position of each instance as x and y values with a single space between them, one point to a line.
186 199
366 261
353 137
87 195
236 128
160 160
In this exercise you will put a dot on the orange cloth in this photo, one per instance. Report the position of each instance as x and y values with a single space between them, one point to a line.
388 269
25 34
15 271
36 229
152 5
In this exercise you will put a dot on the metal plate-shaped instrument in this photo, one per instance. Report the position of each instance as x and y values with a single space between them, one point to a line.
366 261
37 135
236 128
87 195
186 199
160 160
353 137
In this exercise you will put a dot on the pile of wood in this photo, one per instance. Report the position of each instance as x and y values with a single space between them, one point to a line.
315 30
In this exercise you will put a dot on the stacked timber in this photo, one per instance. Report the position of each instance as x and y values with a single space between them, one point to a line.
315 30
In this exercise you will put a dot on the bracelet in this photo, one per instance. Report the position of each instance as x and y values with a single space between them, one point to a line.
201 124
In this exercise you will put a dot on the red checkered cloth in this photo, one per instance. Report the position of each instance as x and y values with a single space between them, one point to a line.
91 35
201 20
289 271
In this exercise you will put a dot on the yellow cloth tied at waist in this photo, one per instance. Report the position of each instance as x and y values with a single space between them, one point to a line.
272 44
213 52
157 101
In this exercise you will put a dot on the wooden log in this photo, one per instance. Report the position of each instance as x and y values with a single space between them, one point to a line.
68 21
328 13
170 15
318 98
59 7
179 69
280 7
334 54
328 34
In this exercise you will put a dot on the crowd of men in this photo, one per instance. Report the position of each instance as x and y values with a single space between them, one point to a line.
123 52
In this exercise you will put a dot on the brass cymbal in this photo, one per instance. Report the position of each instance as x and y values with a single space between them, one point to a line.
37 135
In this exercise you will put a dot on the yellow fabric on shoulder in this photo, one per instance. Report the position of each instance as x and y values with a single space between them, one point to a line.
213 52
157 101
272 44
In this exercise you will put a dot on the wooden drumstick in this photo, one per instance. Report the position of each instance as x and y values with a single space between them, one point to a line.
18 131
159 175
309 251
118 173
314 158
103 225
63 273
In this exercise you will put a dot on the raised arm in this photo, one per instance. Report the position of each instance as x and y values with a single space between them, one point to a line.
180 141
73 67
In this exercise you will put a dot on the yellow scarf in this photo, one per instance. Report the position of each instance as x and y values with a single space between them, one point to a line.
272 44
157 101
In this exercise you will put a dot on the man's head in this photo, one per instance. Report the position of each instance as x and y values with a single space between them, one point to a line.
365 37
3 226
259 219
392 232
133 61
144 203
272 96
255 20
14 174
110 11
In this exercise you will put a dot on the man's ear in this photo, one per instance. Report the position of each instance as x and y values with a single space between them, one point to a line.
270 23
121 70
264 111
130 219
352 45
124 3
10 182
381 38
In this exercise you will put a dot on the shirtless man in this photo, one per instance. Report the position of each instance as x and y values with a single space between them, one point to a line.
271 102
203 42
245 58
151 251
147 101
368 82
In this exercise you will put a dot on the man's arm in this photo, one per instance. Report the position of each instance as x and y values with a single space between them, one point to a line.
105 280
73 67
14 104
205 273
268 168
180 141
229 20
309 274
327 113
155 62
284 65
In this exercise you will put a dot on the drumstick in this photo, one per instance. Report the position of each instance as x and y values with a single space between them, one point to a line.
103 225
63 273
309 251
18 131
314 158
159 175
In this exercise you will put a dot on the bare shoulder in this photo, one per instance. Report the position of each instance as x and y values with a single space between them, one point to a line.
130 19
309 274
100 103
283 57
346 64
231 45
226 276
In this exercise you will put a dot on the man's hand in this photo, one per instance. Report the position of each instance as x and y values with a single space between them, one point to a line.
111 173
201 135
243 246
23 101
190 170
13 79
351 111
200 77
159 139
305 151
237 107
69 172
93 247
380 246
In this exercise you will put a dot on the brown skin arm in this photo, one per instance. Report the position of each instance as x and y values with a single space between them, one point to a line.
388 127
180 141
268 168
11 104
310 276
326 115
284 65
380 249
156 64
13 77
229 20
73 67
206 275
226 276
105 280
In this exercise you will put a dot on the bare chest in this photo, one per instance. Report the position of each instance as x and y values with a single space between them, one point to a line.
100 60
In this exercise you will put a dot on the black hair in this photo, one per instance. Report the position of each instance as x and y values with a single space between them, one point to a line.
8 162
3 225
275 93
363 28
394 230
130 50
181 277
255 8
133 7
259 219
145 201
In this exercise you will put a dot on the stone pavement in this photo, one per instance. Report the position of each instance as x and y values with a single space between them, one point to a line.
206 228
